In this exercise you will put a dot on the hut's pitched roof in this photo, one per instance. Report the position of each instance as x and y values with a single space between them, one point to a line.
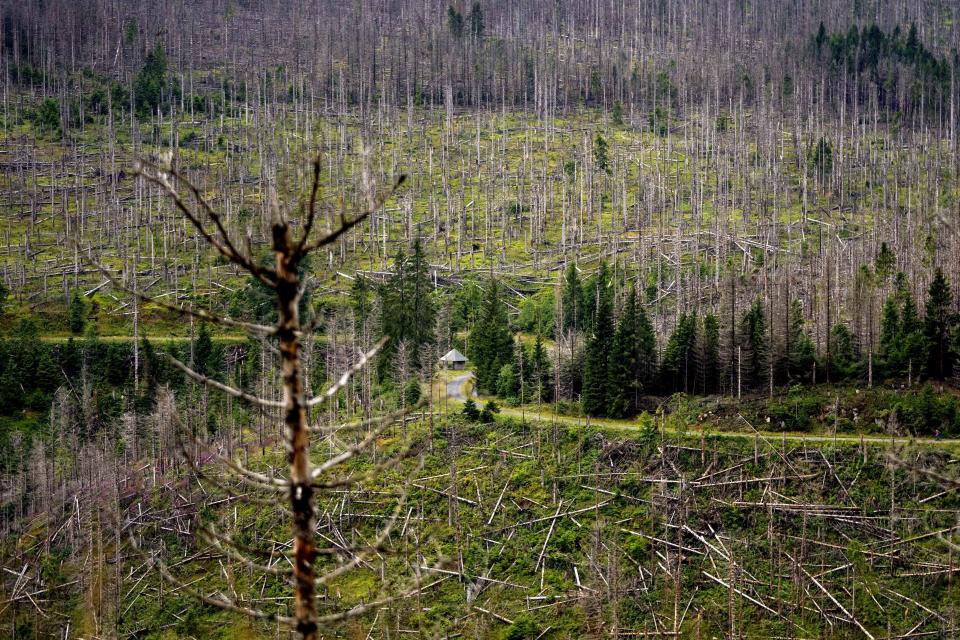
454 356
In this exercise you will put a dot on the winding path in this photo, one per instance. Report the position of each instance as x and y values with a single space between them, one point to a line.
455 387
455 391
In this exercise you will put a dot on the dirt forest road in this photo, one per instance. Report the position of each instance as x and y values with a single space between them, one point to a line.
455 388
456 391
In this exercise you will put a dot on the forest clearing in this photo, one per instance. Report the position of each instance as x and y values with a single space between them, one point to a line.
523 320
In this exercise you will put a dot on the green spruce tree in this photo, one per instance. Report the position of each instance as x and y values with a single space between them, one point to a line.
709 346
203 351
884 263
938 324
800 350
625 362
596 381
541 380
679 366
407 309
601 154
360 300
913 343
491 343
890 335
571 301
647 365
77 314
151 82
753 347
455 22
477 26
845 352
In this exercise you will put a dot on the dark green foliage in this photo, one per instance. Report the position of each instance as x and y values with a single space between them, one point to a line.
927 412
29 374
601 152
708 346
407 312
938 324
203 351
361 294
596 381
536 313
679 366
255 302
647 365
491 344
913 343
596 86
477 26
571 301
903 346
119 95
522 629
26 74
412 392
659 120
617 115
151 81
889 337
754 349
885 262
507 382
455 22
800 352
77 314
47 116
467 305
470 411
845 353
821 159
796 412
881 59
539 379
787 88
490 409
624 362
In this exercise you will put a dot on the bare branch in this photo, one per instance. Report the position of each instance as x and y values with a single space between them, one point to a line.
222 602
350 452
160 177
233 391
348 223
381 538
345 378
312 207
227 546
258 329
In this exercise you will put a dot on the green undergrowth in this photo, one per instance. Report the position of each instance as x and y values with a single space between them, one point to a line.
623 502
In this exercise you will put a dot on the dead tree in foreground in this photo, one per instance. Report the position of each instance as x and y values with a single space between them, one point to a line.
285 282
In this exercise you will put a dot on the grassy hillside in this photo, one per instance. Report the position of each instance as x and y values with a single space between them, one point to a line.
538 531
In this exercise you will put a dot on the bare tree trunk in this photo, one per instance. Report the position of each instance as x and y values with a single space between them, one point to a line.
295 421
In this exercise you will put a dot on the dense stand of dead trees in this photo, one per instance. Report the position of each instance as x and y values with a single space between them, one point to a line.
728 535
493 194
729 188
285 281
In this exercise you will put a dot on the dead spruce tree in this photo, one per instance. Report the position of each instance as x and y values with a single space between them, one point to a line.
286 284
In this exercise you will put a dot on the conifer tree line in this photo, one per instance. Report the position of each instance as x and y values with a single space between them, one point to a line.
609 355
611 359
408 308
622 362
